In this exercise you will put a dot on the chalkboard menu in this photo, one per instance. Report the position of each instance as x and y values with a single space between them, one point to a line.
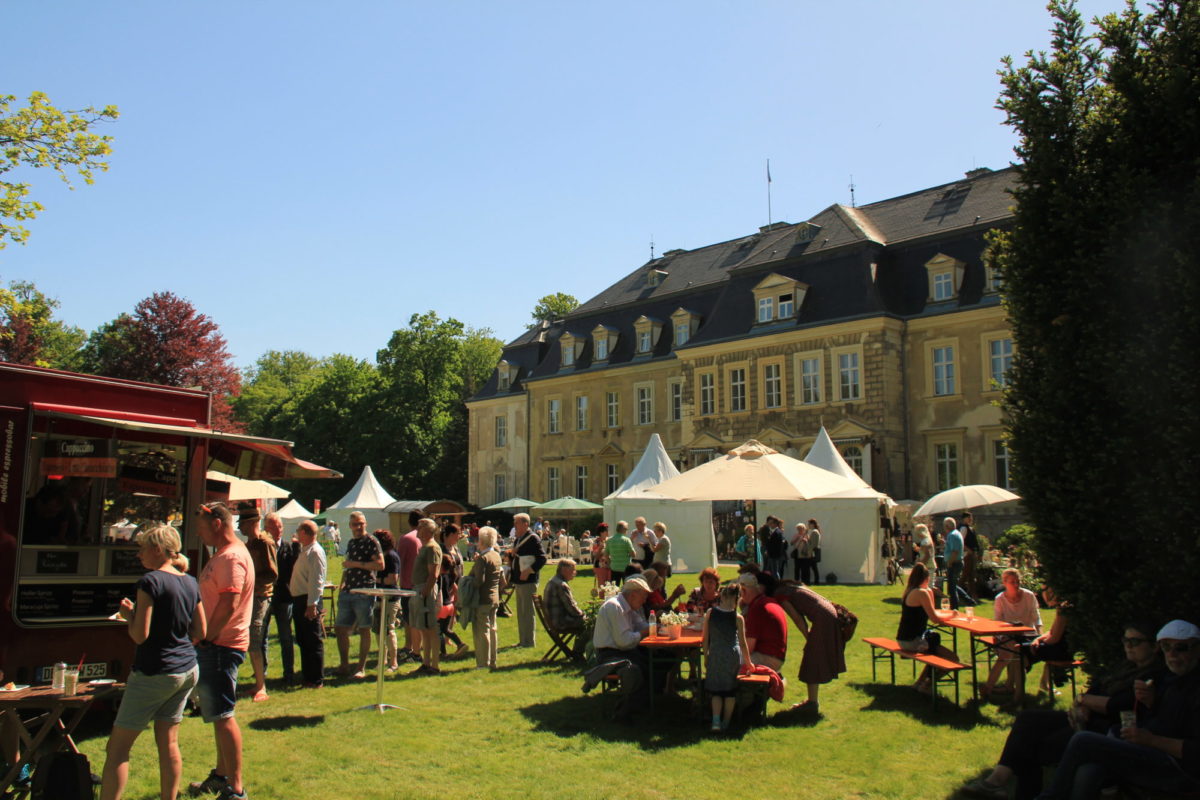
125 562
46 601
57 562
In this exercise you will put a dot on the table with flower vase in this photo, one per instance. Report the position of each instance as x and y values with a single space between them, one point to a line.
667 650
51 716
982 633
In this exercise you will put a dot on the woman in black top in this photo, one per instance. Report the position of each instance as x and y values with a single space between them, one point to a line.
916 608
389 578
164 622
452 570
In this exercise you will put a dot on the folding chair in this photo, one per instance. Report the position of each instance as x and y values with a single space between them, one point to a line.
562 643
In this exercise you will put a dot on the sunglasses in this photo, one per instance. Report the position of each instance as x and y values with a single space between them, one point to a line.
1133 641
1177 647
208 509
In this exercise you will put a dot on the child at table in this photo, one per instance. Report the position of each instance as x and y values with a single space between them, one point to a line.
724 640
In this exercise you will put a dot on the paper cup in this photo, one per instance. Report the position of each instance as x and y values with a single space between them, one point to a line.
70 680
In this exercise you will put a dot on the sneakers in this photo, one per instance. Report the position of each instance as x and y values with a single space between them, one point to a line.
229 794
213 784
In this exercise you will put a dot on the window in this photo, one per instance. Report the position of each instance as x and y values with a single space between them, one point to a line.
499 490
737 389
612 478
1000 354
943 371
581 413
683 331
612 403
787 307
849 379
553 489
854 458
810 380
675 388
645 404
1001 458
504 376
772 386
553 416
995 281
708 394
945 458
568 353
766 309
581 483
601 349
645 341
943 286
603 340
501 431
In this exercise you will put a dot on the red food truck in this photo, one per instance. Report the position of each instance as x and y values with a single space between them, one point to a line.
85 463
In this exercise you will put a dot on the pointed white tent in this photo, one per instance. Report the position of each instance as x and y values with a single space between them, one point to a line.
851 535
689 525
294 512
367 496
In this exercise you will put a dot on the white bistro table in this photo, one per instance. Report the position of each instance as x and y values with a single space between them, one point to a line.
379 705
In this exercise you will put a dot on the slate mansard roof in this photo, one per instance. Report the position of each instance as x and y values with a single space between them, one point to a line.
857 262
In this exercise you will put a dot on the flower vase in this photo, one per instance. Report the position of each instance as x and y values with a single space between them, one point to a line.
673 631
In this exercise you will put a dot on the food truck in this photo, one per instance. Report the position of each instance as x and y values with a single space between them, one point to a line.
85 463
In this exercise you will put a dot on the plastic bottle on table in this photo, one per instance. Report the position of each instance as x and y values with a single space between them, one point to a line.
653 624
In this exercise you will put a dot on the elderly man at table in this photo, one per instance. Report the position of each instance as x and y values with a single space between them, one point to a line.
364 557
562 612
766 623
306 587
620 627
1161 749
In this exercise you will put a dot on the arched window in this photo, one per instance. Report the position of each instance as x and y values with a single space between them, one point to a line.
854 457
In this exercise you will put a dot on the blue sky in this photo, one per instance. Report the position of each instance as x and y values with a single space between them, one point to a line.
311 174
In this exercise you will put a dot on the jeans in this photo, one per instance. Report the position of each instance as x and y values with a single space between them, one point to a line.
281 611
956 593
1093 761
217 685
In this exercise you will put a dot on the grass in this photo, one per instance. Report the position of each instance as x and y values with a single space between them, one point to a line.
527 730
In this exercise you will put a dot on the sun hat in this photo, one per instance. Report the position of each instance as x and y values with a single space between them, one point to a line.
635 583
1178 629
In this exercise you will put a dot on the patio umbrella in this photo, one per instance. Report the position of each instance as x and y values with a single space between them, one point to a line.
960 497
754 472
512 502
566 504
243 489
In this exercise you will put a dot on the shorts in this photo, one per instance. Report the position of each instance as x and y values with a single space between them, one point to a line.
157 698
354 610
425 610
927 642
217 687
258 622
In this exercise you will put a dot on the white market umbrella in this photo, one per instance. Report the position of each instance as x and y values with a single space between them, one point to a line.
754 472
242 489
960 497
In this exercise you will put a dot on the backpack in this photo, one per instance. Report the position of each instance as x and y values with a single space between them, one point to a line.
847 622
63 776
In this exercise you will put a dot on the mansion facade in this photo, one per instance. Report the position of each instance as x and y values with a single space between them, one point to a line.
880 322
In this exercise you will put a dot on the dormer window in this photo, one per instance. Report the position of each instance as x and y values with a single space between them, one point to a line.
994 281
778 297
655 277
572 348
504 376
646 330
945 277
604 339
684 324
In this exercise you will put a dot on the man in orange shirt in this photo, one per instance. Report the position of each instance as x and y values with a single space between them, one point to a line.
227 594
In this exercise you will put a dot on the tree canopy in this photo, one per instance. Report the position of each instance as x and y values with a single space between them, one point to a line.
39 135
29 333
554 306
1101 284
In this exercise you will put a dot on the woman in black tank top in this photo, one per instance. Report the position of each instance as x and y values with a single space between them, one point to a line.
916 608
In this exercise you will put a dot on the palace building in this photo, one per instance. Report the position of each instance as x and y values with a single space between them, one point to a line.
880 322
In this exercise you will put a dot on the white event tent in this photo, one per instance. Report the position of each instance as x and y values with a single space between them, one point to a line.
367 496
851 538
689 524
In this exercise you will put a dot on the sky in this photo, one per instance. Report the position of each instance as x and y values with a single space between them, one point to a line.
310 175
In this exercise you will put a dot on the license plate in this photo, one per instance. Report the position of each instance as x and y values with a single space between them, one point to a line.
98 669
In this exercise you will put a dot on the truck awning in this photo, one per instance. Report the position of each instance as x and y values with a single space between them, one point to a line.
237 454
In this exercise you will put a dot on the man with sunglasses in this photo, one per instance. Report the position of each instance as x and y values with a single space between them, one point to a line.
227 593
1161 750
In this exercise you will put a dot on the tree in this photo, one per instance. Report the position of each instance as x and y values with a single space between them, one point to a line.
1102 288
29 334
276 378
167 341
554 306
39 135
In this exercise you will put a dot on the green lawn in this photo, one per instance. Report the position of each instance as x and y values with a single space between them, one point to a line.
527 730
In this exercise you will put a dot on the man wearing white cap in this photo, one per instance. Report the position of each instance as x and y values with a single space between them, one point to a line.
1161 750
620 627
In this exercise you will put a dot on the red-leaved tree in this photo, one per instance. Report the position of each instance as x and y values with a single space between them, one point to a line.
165 340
